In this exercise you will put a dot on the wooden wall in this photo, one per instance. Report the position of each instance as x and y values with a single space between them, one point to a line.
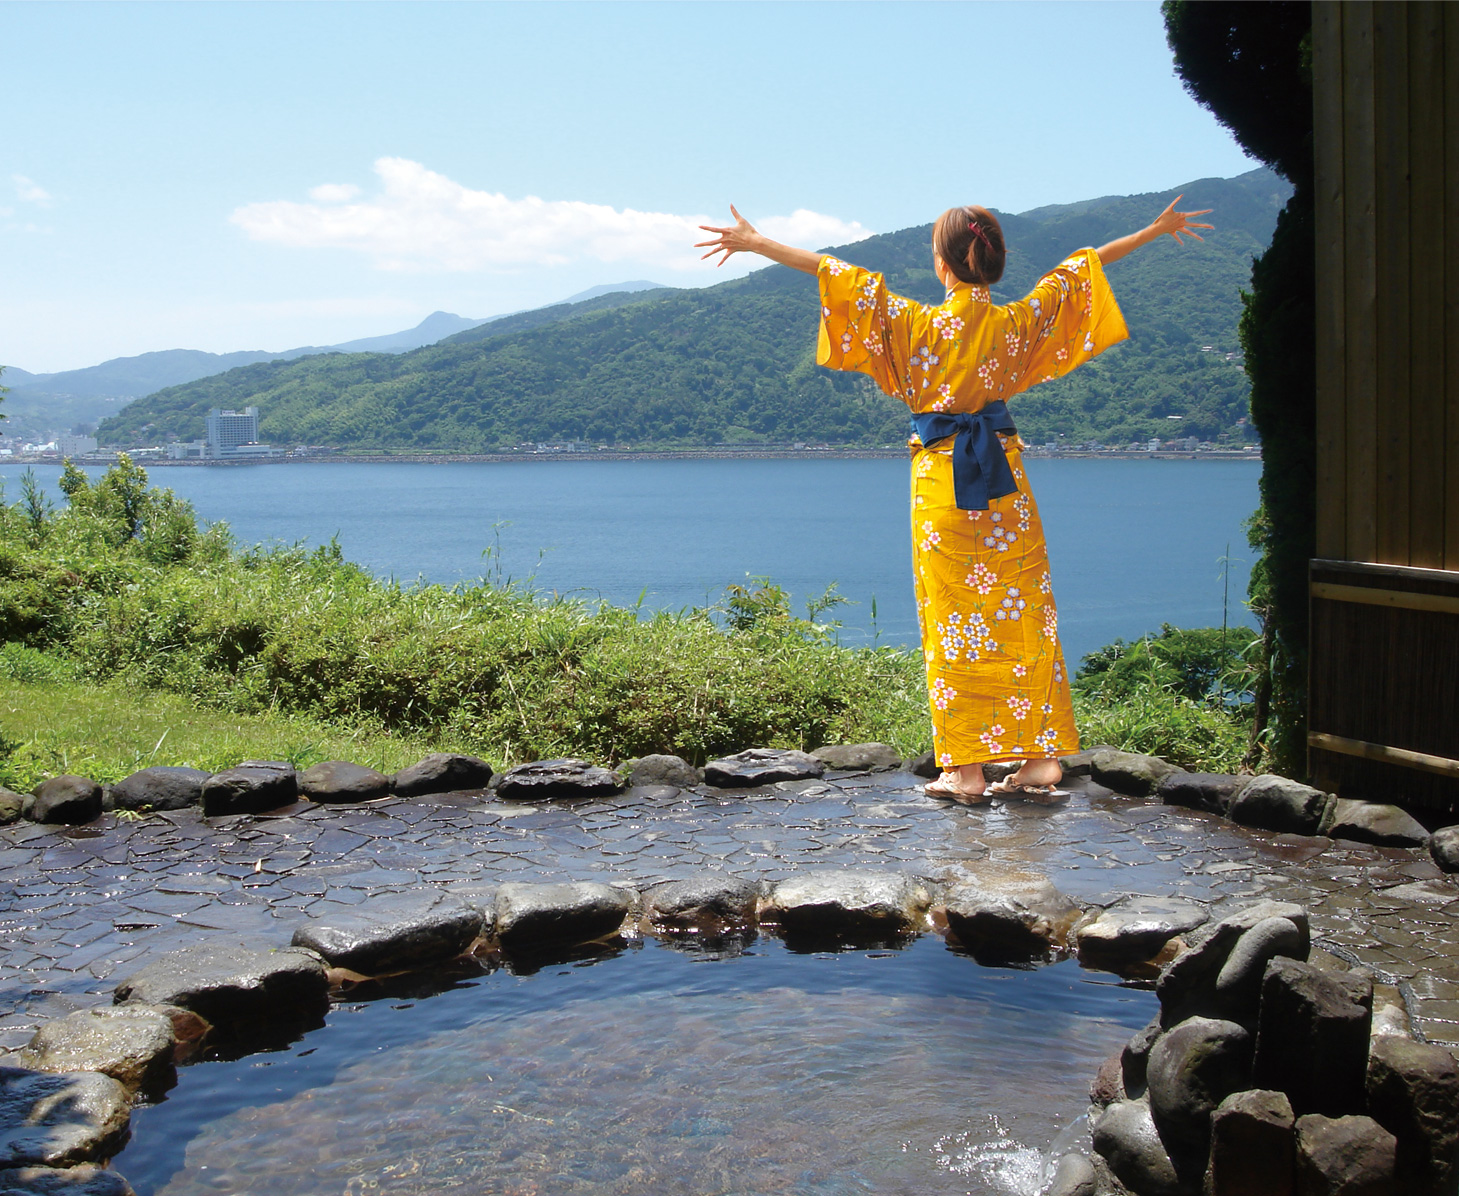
1386 140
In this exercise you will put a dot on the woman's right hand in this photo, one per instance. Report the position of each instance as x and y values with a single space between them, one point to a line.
741 238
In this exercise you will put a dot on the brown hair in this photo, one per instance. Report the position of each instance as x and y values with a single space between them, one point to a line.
970 241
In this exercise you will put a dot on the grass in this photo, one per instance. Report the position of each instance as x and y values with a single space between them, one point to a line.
107 732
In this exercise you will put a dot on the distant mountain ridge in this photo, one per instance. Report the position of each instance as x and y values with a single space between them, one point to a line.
734 363
92 393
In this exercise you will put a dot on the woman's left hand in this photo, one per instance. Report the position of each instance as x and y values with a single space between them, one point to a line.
1175 223
741 238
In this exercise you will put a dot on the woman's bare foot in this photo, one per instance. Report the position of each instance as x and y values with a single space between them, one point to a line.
963 783
1037 773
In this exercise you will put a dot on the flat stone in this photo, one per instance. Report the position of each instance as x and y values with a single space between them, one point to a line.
130 1043
848 901
708 903
67 800
761 766
393 933
227 983
868 757
545 779
1413 1093
1210 791
1253 1146
1312 1036
1193 1067
56 1120
480 898
531 917
85 1179
251 788
1345 1156
1129 772
662 770
1444 847
1374 822
1273 803
340 781
442 772
160 788
1136 928
1125 1137
1014 913
12 806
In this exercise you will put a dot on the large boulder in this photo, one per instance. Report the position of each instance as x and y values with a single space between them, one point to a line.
229 984
250 788
339 781
1135 929
1073 1175
393 934
1010 913
828 904
161 788
1125 1137
1129 772
1135 1058
1210 791
131 1043
85 1179
1345 1156
1312 1036
51 1120
924 765
1078 764
859 757
1253 1146
761 766
1192 1069
1188 986
1444 848
442 772
710 903
545 779
661 770
1273 803
1413 1093
1374 822
12 806
67 800
533 918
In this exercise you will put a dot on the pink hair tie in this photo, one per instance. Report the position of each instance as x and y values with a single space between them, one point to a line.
977 230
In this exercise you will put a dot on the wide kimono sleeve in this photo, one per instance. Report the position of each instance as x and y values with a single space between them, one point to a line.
1069 317
866 328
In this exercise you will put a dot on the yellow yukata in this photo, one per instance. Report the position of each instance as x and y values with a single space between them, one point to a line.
997 683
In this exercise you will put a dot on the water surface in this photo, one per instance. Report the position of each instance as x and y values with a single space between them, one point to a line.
913 1071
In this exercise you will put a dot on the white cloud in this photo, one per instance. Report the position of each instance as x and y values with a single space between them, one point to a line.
28 191
423 221
334 192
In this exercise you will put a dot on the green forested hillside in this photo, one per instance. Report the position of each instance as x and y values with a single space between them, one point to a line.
735 362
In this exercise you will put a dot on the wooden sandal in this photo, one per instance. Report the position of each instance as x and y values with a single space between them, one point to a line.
942 787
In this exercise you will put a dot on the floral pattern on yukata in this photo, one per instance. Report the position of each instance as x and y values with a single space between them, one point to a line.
997 685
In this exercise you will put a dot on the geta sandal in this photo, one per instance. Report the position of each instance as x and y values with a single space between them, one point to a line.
1042 795
942 787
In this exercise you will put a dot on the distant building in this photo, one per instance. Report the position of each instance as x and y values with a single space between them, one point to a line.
74 446
188 450
231 435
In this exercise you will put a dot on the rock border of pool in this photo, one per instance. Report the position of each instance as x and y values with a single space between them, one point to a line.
97 1061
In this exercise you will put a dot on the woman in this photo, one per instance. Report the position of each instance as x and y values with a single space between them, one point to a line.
997 683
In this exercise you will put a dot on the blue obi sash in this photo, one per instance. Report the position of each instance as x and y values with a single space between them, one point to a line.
980 468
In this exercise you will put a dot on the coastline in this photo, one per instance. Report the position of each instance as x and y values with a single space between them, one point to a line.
386 457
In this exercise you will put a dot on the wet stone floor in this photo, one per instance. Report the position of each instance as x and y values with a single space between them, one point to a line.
82 907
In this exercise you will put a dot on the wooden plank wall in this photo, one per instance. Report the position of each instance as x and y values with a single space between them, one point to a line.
1384 699
1386 130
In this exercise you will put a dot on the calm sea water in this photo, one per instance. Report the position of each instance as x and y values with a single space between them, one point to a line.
1133 543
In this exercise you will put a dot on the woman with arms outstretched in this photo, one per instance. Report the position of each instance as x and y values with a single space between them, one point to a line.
996 678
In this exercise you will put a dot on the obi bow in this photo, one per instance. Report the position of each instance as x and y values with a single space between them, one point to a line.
980 469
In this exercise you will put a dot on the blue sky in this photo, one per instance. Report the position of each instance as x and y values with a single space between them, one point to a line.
258 176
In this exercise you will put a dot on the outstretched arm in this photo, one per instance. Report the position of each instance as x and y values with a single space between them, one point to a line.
1169 221
743 238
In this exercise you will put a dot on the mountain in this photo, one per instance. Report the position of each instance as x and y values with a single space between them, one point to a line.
735 362
613 288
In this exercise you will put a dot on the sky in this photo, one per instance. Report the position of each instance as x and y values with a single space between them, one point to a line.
225 176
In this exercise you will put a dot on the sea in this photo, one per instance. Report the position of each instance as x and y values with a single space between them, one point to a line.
1133 544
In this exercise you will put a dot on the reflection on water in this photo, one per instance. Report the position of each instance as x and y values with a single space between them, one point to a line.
663 1072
